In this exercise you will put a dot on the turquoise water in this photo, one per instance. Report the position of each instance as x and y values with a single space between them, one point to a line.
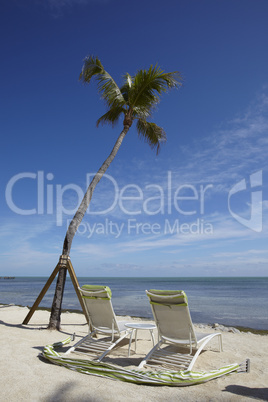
227 301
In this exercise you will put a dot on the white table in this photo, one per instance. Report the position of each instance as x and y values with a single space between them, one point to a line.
135 326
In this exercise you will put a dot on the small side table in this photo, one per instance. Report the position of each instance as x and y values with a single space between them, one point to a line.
135 326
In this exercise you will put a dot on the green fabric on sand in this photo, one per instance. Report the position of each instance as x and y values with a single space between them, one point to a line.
163 377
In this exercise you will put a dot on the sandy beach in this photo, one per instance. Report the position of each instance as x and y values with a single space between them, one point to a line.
27 377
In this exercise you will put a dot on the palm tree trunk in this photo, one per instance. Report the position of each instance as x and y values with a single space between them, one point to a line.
54 322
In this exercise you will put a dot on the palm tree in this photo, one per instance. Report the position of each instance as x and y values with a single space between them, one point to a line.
135 100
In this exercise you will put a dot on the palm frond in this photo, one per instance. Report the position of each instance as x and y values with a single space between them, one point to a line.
128 83
92 66
112 116
149 84
151 133
107 87
129 80
141 112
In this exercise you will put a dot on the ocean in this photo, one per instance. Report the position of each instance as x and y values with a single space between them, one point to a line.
227 301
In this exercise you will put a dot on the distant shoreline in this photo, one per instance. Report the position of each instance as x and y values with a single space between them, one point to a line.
7 277
75 311
141 277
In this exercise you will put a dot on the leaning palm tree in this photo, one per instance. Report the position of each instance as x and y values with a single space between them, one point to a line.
135 100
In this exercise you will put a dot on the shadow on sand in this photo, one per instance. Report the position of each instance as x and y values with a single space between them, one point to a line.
256 393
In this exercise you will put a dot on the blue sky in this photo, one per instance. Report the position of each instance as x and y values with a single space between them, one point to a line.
199 208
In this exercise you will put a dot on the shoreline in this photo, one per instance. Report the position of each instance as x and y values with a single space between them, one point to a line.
214 325
228 301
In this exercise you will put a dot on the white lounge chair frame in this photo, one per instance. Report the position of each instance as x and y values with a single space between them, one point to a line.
174 324
102 320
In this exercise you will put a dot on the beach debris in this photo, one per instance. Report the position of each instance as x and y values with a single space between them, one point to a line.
223 328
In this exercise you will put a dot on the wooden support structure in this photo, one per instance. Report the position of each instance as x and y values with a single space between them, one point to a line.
64 262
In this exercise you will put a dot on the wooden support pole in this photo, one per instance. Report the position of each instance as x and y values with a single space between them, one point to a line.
76 287
64 262
42 294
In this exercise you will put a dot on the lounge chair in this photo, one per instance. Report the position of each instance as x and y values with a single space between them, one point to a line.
175 327
102 320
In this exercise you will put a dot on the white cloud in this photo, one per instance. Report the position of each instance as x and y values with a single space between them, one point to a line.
229 153
88 250
241 254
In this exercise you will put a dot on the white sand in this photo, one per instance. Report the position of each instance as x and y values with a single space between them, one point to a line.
25 377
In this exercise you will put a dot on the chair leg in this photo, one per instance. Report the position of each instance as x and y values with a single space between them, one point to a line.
130 340
147 357
201 347
71 349
220 343
152 335
112 346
